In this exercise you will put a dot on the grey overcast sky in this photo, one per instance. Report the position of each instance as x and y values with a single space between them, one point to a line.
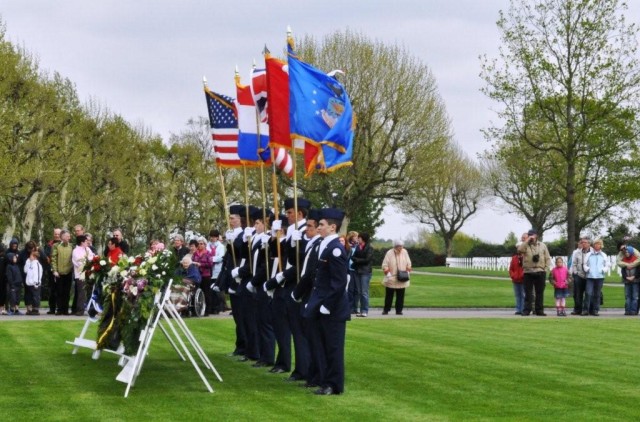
145 59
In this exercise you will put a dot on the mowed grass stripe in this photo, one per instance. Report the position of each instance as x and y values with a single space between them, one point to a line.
401 369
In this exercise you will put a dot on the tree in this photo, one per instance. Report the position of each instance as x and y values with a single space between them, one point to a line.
521 177
567 81
510 241
447 195
399 114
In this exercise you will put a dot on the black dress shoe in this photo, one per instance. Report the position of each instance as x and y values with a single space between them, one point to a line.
385 312
276 370
541 314
324 391
293 378
243 359
308 385
260 364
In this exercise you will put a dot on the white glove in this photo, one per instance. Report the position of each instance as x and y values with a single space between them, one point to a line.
324 311
269 292
238 280
294 298
216 289
265 238
232 292
277 225
280 278
296 235
251 288
248 232
234 272
230 235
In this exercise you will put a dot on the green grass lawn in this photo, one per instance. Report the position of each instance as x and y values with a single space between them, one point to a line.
444 291
611 278
396 370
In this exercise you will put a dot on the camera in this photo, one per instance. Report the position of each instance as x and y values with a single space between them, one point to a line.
536 258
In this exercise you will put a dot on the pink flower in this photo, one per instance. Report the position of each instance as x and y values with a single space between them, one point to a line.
141 284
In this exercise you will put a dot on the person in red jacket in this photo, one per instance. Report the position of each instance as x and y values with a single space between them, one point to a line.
516 272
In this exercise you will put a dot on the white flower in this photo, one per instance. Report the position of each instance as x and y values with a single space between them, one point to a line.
134 290
152 260
131 260
123 273
103 262
143 271
164 273
154 267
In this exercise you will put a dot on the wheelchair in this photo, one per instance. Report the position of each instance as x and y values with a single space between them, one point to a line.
188 299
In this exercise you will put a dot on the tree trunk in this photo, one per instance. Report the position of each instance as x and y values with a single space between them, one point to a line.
448 245
29 214
571 208
9 230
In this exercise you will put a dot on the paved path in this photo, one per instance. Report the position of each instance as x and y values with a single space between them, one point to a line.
376 313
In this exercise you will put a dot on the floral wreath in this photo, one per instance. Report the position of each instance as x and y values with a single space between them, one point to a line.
126 289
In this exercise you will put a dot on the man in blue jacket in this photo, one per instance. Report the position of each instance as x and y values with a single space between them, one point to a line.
329 302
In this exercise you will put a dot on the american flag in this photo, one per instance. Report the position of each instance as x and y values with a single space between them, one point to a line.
224 129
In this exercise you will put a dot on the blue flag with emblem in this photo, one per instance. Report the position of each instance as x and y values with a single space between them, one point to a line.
320 115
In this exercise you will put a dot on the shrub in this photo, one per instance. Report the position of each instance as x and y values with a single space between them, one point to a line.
420 257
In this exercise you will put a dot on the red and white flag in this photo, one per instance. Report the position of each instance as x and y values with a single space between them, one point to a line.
262 100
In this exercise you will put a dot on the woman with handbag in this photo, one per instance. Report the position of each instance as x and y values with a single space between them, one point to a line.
396 267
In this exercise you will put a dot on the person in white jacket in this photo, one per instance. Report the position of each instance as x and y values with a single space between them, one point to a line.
33 279
596 265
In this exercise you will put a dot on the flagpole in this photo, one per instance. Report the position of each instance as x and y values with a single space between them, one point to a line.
276 211
222 190
246 187
274 182
262 186
295 180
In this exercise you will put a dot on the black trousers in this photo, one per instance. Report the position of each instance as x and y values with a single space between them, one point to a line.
282 332
317 362
63 292
579 286
241 336
51 286
266 336
534 281
205 285
332 337
388 299
250 321
300 341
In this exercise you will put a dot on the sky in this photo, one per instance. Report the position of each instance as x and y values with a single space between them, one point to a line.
145 60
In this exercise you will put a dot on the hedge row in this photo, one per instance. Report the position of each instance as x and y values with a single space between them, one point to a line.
420 257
